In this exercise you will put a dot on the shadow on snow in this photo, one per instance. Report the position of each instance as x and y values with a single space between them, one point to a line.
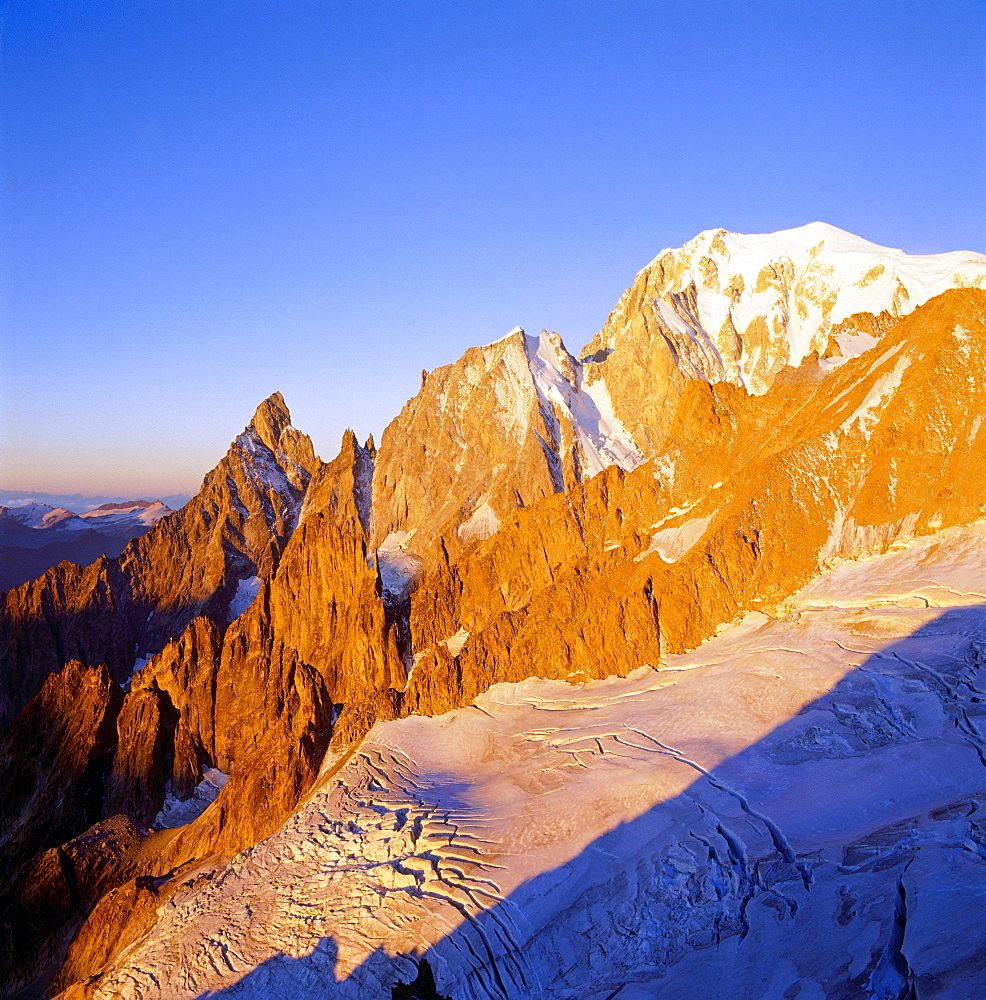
733 889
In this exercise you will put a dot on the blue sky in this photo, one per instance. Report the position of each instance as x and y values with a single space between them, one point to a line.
204 202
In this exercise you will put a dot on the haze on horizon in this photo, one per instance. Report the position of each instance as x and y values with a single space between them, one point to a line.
205 203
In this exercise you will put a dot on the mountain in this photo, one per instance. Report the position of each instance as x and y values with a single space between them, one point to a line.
190 564
34 536
740 309
522 418
669 648
79 503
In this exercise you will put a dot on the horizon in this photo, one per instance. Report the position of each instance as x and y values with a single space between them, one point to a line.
207 207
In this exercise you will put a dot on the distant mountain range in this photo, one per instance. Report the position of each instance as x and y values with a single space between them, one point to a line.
35 536
79 503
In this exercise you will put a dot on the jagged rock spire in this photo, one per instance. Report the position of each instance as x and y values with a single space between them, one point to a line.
271 419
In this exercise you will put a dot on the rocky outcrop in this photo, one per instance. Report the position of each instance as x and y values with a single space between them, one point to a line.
191 564
263 702
122 915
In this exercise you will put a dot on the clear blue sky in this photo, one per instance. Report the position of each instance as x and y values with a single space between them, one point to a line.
206 201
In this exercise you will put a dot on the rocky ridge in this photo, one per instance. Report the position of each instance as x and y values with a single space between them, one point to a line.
176 583
117 611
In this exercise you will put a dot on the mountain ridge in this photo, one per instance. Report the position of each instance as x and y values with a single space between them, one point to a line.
324 612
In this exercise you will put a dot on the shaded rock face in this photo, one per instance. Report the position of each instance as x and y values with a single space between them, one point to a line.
145 742
54 760
188 565
121 915
422 988
55 893
166 728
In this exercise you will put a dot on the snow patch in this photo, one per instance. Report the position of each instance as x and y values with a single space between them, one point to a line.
246 592
455 642
178 812
865 415
398 568
481 524
140 512
852 343
672 543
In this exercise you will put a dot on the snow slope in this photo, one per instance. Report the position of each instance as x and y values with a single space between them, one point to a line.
735 307
134 513
794 811
836 275
602 439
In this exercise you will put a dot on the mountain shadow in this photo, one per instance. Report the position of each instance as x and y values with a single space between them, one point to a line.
841 856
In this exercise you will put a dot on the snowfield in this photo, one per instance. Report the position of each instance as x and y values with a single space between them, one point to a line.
690 833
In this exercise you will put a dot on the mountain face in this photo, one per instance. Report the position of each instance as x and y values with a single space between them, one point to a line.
708 591
106 517
741 309
505 426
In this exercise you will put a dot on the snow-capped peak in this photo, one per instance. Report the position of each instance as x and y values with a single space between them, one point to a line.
743 306
40 515
133 512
